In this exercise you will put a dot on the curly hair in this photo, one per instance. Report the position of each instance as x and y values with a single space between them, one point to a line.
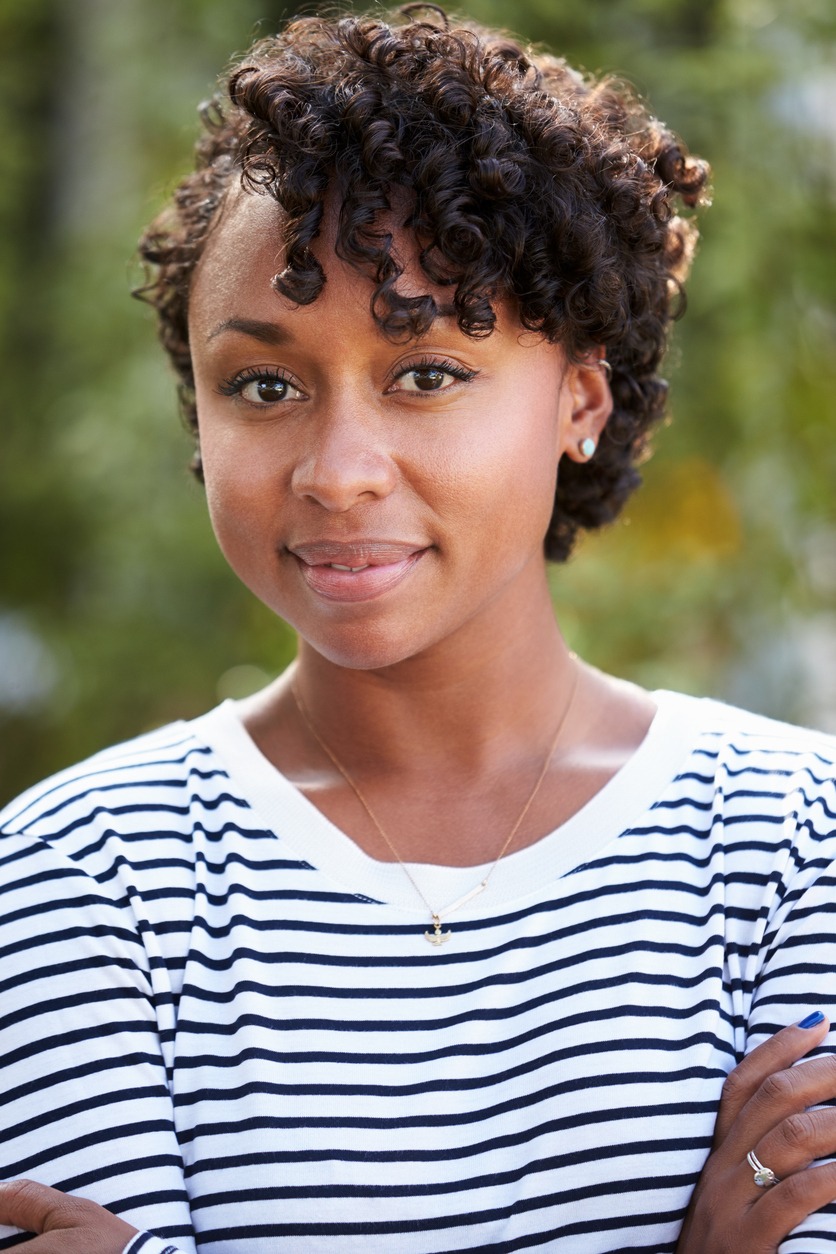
523 179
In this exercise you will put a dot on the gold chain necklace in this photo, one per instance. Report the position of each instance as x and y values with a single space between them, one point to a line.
437 936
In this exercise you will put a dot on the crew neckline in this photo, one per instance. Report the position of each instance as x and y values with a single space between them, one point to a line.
316 840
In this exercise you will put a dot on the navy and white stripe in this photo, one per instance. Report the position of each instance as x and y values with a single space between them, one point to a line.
220 1019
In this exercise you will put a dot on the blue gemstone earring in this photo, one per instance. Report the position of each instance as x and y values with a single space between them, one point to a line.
587 447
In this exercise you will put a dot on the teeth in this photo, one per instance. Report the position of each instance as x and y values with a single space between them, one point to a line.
353 569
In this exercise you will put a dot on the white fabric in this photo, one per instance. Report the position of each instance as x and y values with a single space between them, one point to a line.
221 1019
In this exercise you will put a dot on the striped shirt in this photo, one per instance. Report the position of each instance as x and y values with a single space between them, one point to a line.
221 1019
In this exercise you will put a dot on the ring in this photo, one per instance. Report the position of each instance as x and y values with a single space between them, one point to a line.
764 1178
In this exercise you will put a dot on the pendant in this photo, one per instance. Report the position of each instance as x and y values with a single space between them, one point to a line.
436 937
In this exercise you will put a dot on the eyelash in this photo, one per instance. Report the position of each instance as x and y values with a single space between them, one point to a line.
235 385
433 363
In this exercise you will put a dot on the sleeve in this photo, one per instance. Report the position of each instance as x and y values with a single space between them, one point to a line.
147 1243
793 973
84 1088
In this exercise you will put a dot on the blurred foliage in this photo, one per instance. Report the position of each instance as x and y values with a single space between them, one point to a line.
116 611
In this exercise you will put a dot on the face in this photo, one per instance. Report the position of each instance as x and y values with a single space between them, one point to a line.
382 498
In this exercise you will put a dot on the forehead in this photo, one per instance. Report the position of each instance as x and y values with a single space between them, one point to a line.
243 252
246 249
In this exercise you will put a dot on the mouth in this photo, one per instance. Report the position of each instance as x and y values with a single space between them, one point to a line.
356 570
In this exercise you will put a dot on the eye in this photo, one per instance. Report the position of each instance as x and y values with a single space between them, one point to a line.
261 386
430 375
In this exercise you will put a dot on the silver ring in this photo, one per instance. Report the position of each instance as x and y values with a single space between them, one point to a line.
764 1177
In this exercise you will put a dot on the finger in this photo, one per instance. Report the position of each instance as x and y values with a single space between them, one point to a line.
797 1141
37 1208
80 1225
776 1054
783 1207
778 1106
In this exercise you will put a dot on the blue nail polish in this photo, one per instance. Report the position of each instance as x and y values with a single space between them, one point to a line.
812 1020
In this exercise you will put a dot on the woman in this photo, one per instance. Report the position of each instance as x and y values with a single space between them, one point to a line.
444 941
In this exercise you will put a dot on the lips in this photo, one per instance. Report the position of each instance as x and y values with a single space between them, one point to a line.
355 570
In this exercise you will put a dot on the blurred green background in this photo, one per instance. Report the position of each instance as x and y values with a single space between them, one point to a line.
116 611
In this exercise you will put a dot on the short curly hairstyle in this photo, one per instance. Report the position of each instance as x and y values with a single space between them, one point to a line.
523 179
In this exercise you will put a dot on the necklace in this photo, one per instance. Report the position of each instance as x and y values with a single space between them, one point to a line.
437 936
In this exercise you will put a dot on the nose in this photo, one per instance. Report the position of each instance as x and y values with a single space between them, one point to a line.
345 461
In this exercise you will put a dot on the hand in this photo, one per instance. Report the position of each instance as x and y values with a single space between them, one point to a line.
764 1108
69 1225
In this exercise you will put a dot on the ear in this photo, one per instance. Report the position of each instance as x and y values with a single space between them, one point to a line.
588 384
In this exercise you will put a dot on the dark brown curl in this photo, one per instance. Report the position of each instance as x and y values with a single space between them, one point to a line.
522 178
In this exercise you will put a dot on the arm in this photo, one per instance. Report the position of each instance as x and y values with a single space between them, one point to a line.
83 1082
768 1104
763 1105
796 971
778 832
765 1108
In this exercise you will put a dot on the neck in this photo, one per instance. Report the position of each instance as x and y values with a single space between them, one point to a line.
451 742
481 697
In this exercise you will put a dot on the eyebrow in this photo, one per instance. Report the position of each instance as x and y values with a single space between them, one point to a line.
266 332
273 334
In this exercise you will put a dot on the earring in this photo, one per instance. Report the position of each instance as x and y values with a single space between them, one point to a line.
601 363
587 447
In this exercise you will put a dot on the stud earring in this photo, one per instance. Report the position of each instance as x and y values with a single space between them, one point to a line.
587 447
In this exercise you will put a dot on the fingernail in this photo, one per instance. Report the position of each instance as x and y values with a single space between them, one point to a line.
812 1019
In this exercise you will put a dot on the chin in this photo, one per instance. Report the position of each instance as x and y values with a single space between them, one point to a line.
363 650
369 642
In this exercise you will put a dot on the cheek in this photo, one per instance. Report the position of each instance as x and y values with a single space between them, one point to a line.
505 471
240 493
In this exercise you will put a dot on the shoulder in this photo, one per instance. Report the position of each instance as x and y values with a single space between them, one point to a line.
729 733
145 787
758 772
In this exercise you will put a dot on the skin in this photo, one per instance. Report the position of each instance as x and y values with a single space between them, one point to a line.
450 680
765 1107
67 1225
458 675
